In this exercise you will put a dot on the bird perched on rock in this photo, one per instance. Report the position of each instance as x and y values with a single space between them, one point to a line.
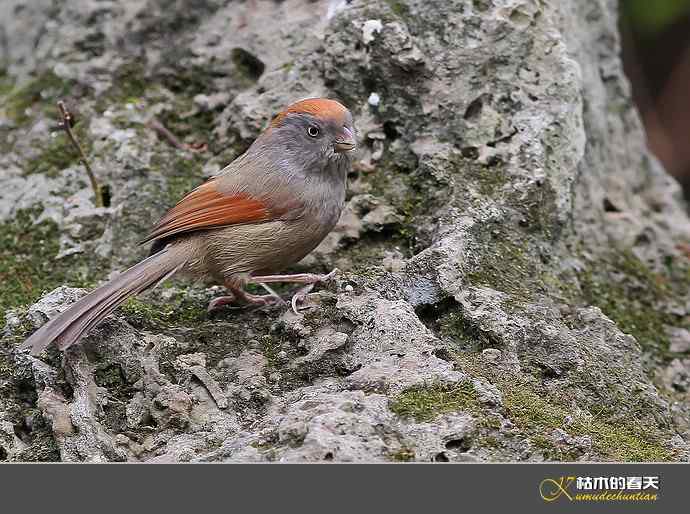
265 211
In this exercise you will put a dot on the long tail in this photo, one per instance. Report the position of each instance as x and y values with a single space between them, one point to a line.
70 325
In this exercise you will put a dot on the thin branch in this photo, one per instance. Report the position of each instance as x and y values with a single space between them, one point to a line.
165 133
66 125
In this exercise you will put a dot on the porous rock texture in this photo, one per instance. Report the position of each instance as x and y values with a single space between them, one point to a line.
514 263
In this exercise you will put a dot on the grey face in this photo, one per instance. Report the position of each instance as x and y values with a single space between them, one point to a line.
326 138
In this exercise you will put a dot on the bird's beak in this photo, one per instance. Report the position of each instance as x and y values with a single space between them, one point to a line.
345 141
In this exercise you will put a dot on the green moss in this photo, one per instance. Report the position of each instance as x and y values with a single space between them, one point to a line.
481 5
59 153
534 208
488 441
187 176
535 415
27 262
111 376
487 178
43 90
628 291
189 124
634 296
366 255
453 325
6 83
490 181
503 265
399 8
183 172
188 81
624 442
42 447
619 441
270 347
181 310
538 210
403 455
27 269
424 403
21 104
129 84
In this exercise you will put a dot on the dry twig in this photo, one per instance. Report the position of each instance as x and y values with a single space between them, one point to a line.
66 125
165 133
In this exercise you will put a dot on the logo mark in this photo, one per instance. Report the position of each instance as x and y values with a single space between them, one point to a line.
552 490
600 488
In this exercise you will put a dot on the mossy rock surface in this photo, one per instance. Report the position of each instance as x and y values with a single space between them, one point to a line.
514 271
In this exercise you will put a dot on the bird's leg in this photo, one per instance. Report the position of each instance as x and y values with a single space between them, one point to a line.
256 299
299 278
272 294
310 279
219 302
239 295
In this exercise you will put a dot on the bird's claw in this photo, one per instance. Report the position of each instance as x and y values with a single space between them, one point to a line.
258 301
219 302
300 296
329 276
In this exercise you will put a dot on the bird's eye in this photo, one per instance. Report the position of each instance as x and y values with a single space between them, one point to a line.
313 131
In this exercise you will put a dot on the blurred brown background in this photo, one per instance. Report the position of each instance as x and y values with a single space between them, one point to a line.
656 54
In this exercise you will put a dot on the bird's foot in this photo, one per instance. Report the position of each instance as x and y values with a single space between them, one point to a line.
241 299
328 276
219 302
263 300
301 297
300 300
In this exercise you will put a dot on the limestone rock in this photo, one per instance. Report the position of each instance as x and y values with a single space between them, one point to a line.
512 284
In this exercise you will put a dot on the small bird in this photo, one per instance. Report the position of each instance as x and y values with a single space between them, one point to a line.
263 212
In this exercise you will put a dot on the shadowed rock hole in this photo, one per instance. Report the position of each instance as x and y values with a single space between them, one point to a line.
546 370
474 109
443 354
470 152
446 321
441 457
106 195
609 206
26 391
328 456
390 130
247 63
369 83
493 160
459 445
22 430
3 454
346 371
643 239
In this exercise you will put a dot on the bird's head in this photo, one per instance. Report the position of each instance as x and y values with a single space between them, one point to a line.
316 128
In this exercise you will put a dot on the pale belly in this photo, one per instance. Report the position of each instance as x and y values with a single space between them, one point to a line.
254 249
